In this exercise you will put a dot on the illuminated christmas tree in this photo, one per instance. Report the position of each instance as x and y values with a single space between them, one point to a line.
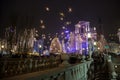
55 46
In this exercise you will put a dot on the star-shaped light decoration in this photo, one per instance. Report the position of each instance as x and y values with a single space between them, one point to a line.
43 26
63 27
62 14
61 18
67 22
47 8
41 21
69 9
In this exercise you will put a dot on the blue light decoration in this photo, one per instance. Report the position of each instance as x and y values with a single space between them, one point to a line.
66 31
77 41
72 50
37 47
84 48
69 49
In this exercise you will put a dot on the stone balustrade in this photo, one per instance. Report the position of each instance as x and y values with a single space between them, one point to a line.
17 66
46 68
73 72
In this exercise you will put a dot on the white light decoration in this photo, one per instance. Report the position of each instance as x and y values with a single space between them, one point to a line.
63 27
50 39
62 14
36 31
35 39
2 46
12 51
89 35
40 46
68 22
115 66
98 48
83 48
43 26
41 21
69 9
95 43
61 18
94 28
47 9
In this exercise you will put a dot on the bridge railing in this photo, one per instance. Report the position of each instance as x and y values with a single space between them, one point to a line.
45 68
16 66
73 72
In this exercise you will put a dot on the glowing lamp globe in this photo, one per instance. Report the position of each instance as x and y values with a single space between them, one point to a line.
40 46
95 43
89 35
2 46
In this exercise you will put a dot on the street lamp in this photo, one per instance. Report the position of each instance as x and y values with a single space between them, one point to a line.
89 35
95 43
40 46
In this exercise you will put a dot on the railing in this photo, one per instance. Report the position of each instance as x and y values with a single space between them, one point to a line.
17 66
32 69
75 72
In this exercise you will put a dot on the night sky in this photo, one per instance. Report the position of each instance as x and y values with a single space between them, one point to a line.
28 13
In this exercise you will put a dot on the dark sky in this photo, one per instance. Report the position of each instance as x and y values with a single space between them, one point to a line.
28 13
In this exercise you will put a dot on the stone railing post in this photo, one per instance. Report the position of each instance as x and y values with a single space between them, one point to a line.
65 59
19 67
111 69
30 65
83 58
90 55
36 64
2 68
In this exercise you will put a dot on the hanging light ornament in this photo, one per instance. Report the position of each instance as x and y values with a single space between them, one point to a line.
43 26
41 21
69 9
62 14
61 18
47 8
